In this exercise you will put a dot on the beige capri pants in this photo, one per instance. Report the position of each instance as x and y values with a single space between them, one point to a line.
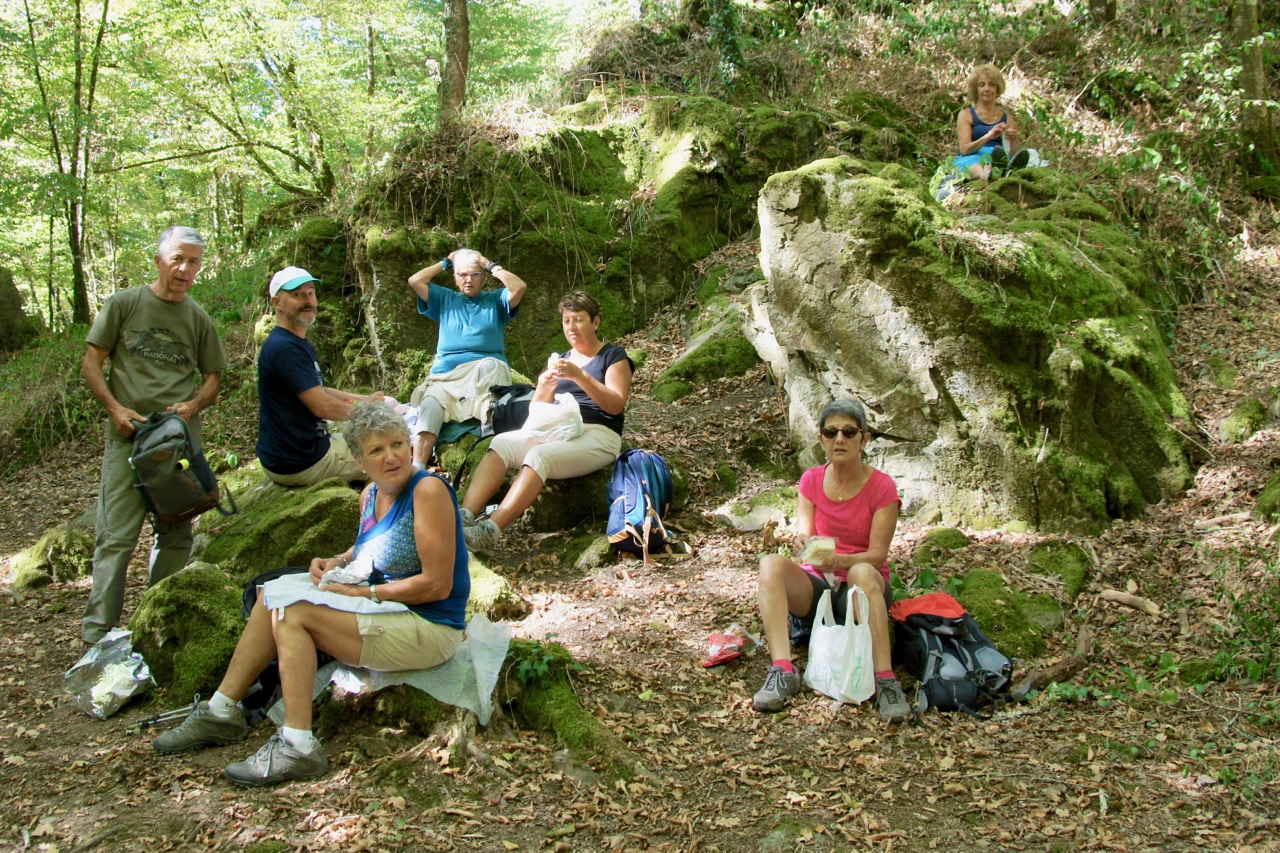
597 447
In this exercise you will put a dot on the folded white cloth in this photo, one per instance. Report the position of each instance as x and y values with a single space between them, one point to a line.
463 392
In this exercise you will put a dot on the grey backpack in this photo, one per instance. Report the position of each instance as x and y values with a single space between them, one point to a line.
170 472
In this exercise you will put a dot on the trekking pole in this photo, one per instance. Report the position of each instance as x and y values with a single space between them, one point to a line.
164 717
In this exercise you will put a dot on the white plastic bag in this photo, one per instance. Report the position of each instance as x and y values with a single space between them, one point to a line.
558 421
108 675
840 664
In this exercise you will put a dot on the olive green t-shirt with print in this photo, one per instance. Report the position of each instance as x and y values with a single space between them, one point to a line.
158 350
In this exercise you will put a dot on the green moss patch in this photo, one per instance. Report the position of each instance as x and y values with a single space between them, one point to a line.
1268 505
1066 561
937 544
1249 416
668 391
187 626
1001 612
62 554
492 594
286 527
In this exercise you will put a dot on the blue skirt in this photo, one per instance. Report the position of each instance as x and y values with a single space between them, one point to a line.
964 161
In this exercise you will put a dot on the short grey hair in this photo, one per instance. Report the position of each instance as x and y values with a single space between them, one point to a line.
179 234
370 419
848 408
466 258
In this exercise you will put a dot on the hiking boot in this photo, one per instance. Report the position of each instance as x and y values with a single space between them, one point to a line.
1020 160
482 537
278 761
891 702
779 686
203 728
468 517
999 157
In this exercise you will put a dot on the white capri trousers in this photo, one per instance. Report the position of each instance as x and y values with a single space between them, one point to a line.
597 447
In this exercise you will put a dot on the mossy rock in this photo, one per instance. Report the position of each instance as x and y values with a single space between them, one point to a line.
774 505
726 479
492 595
726 354
64 553
187 626
1268 505
403 706
1001 612
937 544
1045 612
670 390
1222 372
1200 671
1249 416
281 526
564 504
1066 561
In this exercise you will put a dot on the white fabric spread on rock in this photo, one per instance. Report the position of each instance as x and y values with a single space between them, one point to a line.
463 392
466 680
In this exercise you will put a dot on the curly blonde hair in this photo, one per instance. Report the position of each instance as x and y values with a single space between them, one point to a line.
989 71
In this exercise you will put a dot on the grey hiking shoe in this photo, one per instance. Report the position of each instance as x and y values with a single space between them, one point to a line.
891 702
202 728
779 686
482 537
468 517
277 761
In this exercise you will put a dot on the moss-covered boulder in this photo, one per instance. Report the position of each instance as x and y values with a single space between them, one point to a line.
937 544
186 627
278 526
492 595
1002 613
622 207
1248 416
1066 561
721 351
1021 352
62 554
773 506
1268 505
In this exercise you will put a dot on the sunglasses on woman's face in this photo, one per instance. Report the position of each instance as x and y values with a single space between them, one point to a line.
848 432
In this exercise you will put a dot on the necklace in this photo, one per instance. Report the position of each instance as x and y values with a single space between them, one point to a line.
843 491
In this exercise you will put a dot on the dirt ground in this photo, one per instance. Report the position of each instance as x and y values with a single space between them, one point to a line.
1128 756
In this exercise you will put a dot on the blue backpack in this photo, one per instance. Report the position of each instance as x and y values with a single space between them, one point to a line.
640 493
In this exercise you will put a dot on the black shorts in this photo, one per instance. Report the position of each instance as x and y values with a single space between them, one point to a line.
802 626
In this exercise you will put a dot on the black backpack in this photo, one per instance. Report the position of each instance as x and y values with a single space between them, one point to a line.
941 645
510 406
170 471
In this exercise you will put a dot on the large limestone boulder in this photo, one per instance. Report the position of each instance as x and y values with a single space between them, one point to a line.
63 553
1017 348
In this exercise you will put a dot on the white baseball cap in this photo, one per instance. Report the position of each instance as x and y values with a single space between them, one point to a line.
290 278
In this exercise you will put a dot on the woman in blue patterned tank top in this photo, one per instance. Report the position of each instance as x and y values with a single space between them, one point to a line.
410 614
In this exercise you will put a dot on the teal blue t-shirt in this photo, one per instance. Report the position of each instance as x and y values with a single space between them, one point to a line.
470 329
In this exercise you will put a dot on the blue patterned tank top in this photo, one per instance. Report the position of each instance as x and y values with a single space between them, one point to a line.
389 542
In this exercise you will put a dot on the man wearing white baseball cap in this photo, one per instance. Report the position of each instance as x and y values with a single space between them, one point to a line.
294 444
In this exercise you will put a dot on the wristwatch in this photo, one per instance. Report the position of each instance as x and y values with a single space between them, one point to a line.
373 594
445 265
493 268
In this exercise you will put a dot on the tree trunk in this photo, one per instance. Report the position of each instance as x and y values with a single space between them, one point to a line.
457 60
1256 128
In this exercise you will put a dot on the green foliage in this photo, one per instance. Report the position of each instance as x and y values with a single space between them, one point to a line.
43 400
534 662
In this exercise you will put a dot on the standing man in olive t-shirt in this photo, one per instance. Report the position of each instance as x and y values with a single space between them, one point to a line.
165 356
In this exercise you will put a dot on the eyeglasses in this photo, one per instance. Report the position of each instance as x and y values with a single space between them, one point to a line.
476 274
848 432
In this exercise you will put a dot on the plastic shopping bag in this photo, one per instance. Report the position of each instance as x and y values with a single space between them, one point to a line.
558 421
107 676
840 664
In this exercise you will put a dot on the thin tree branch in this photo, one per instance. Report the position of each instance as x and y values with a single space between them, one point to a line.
185 155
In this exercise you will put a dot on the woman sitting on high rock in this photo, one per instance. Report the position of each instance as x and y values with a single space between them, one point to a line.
986 135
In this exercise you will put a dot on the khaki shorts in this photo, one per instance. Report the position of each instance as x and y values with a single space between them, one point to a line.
338 462
400 641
